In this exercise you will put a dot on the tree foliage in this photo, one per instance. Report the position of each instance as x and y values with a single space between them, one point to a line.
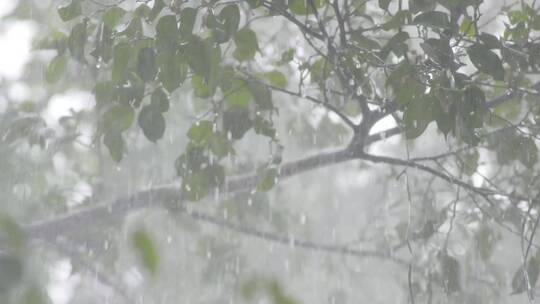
454 83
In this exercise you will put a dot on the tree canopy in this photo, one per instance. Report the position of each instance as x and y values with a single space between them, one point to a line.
296 151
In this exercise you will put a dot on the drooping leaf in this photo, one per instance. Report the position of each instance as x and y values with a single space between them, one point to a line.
160 100
121 54
486 61
201 132
230 15
239 95
167 33
11 272
70 11
77 41
146 250
451 273
152 122
118 117
187 19
236 122
112 16
246 44
276 78
267 179
114 142
146 64
56 68
433 19
519 281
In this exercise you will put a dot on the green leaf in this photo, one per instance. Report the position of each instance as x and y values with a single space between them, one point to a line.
104 44
239 95
528 152
11 272
146 64
262 95
451 274
121 54
201 132
304 7
254 3
276 78
104 93
467 27
519 283
486 61
384 4
264 127
114 142
173 71
152 122
246 45
187 20
118 117
167 33
398 20
70 11
56 68
490 41
146 250
236 122
267 179
77 41
230 15
160 100
112 16
364 42
434 19
320 70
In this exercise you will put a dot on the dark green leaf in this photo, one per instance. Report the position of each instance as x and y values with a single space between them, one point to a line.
160 100
434 19
490 41
146 64
519 282
230 15
173 71
236 123
167 33
11 272
384 4
262 95
304 7
77 41
152 122
121 54
114 142
451 274
486 61
187 19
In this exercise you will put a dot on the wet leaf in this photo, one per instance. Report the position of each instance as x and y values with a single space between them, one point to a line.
70 11
152 122
519 282
246 45
146 250
486 61
56 68
112 16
